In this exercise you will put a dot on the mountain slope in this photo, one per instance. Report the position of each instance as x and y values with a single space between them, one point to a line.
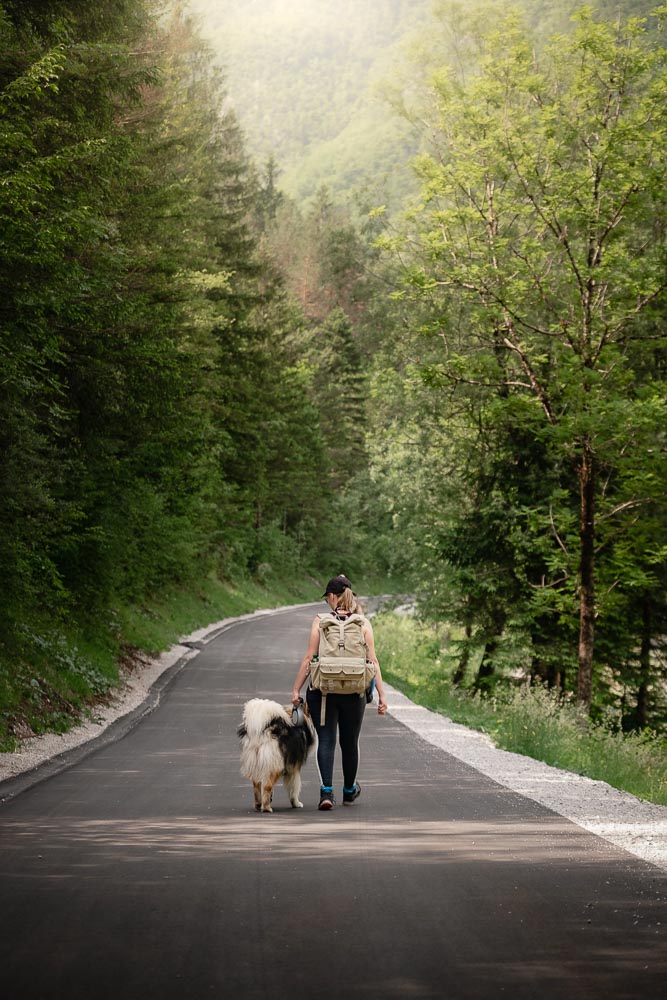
305 78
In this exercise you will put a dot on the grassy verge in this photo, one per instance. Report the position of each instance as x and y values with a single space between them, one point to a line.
52 678
529 721
157 624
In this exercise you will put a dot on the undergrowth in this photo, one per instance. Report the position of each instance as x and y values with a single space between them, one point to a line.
526 720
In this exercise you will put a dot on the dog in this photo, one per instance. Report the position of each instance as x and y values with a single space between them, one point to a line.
274 747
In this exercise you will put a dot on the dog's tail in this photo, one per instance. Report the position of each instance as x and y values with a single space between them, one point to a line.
274 726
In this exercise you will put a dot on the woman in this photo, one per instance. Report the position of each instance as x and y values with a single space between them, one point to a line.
344 712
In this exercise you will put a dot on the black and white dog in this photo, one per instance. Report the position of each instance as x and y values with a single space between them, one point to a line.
274 746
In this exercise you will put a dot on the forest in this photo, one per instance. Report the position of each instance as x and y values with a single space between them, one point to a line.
393 305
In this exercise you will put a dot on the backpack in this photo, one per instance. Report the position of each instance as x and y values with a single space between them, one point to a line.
341 667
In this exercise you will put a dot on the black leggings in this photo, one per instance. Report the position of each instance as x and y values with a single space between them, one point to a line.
345 712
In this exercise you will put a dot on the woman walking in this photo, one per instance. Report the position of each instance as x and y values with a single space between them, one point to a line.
344 712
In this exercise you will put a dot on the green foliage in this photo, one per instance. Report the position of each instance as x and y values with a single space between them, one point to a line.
526 720
338 314
52 679
413 659
155 424
534 271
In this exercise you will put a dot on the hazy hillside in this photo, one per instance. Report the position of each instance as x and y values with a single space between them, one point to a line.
304 77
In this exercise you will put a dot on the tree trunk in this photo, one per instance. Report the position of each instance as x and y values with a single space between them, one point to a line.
486 666
587 576
460 671
645 665
544 673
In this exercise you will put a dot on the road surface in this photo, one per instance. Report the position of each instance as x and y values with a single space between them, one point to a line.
143 872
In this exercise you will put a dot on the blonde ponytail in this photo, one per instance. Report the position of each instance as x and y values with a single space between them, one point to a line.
347 602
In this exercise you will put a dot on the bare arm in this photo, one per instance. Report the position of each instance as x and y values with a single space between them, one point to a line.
304 668
372 656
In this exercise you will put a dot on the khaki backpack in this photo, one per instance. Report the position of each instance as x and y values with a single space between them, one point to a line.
342 666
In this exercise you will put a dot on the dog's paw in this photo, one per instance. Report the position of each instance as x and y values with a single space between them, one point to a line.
267 809
297 805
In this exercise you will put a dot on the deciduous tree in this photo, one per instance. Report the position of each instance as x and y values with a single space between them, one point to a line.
539 235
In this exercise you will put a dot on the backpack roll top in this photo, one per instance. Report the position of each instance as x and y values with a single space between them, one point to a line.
342 638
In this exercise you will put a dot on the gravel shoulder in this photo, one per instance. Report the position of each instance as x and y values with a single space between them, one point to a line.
622 819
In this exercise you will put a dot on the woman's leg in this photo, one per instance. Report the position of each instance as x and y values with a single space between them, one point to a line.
350 716
326 735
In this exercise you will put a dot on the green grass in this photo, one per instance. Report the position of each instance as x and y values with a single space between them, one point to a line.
156 624
529 721
53 677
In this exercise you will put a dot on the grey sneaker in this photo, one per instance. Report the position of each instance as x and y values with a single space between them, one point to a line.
350 797
327 800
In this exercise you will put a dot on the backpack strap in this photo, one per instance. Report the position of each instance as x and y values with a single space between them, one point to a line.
323 703
341 634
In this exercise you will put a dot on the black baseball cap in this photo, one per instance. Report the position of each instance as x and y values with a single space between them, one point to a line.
337 585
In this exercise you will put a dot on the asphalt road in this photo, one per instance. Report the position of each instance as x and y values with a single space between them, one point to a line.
143 872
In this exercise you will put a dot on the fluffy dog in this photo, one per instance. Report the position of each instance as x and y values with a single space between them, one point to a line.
272 747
